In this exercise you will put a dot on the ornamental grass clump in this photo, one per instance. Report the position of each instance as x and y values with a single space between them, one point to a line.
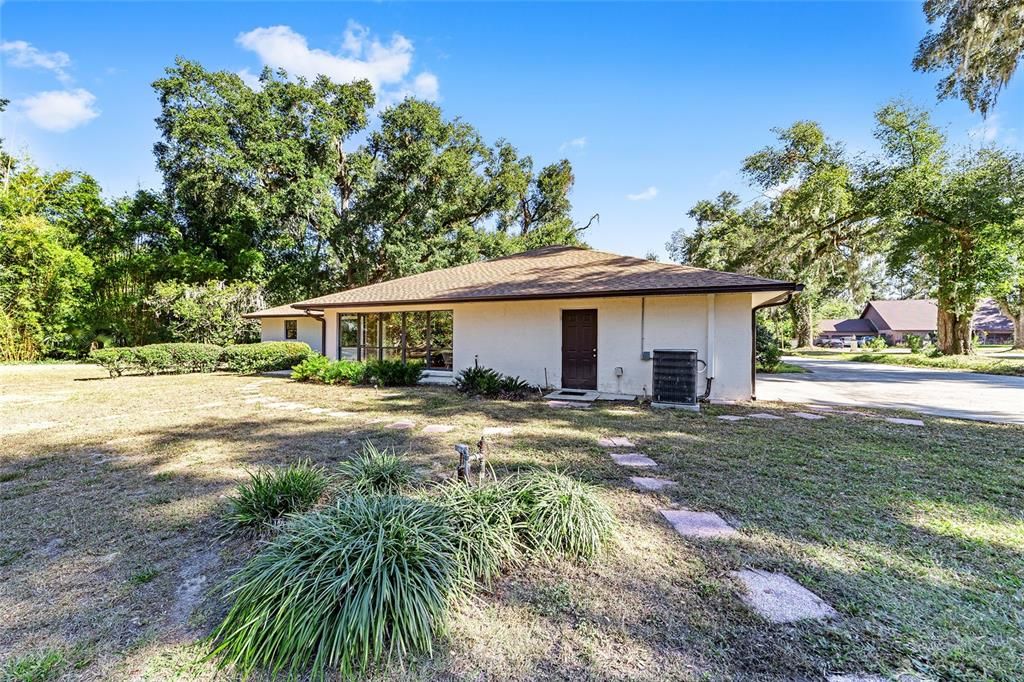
562 517
343 589
270 494
487 531
375 472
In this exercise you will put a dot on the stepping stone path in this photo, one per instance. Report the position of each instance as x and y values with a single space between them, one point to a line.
652 484
316 410
763 415
497 431
437 428
634 459
565 403
908 422
820 408
691 524
402 425
340 414
807 415
615 442
731 417
780 599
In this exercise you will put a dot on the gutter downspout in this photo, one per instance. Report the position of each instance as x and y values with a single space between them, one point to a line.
710 346
323 330
753 334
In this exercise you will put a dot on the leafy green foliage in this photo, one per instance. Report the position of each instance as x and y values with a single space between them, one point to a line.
115 360
488 529
42 666
489 383
768 353
563 517
265 357
915 343
978 46
210 312
153 359
194 357
393 372
378 372
311 369
376 472
270 494
876 343
351 586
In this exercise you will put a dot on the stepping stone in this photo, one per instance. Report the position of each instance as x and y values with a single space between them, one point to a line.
405 424
807 415
652 484
565 403
615 442
258 399
731 417
288 406
376 420
497 431
763 415
691 524
437 428
780 599
908 422
634 459
316 410
821 408
340 413
855 413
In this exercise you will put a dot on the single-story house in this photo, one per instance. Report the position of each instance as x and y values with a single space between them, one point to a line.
845 330
989 323
892 320
560 317
286 323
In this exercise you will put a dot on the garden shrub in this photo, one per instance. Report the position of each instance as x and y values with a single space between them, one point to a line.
489 383
345 588
153 359
194 357
310 369
344 372
767 351
115 360
265 357
376 472
488 532
563 517
268 495
877 343
915 343
393 372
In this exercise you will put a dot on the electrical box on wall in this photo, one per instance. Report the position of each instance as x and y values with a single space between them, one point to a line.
618 371
645 355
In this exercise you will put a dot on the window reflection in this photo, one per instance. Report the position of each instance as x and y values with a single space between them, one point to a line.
425 336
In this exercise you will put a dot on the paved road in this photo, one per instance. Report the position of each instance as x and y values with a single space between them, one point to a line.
965 395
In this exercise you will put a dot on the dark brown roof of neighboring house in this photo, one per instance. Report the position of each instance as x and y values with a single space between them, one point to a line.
550 272
909 315
287 310
989 318
856 325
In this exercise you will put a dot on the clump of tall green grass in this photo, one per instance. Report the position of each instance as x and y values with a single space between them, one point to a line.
270 494
343 588
375 471
488 536
562 517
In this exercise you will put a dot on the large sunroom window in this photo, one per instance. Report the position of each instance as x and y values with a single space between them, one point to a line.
420 335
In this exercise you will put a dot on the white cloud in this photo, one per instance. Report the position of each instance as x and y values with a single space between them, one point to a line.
385 64
645 195
249 78
59 110
23 55
576 142
992 131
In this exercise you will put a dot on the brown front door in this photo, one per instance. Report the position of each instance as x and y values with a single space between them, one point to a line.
579 349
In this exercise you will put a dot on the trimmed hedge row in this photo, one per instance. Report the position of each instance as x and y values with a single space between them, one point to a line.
182 358
318 369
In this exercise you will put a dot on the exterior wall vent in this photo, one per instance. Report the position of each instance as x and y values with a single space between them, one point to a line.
675 376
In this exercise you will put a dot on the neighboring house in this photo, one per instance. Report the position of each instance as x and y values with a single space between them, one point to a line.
845 330
896 320
561 317
285 323
989 323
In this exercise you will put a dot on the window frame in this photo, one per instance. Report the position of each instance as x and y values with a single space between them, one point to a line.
294 324
372 325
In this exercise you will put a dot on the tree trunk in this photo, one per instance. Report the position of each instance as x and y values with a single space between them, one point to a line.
954 332
803 326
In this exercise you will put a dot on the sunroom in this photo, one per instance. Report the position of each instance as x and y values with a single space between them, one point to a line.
423 335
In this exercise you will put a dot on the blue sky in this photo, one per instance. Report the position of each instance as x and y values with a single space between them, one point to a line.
655 104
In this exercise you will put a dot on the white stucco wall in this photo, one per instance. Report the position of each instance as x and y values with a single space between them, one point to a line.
523 338
309 330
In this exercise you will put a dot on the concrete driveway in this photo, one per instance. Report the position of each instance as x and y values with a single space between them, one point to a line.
964 395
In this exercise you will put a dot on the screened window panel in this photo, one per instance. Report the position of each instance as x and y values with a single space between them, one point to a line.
371 337
416 336
441 337
348 337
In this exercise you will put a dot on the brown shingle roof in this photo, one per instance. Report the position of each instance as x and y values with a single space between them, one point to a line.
853 326
989 318
286 310
910 315
550 272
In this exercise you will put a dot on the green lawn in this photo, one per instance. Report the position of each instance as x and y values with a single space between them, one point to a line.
984 363
112 493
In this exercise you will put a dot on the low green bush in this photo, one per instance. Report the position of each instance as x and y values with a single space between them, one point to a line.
153 359
376 472
562 517
489 383
876 343
342 589
310 369
767 352
194 357
115 360
378 372
488 532
269 495
265 357
915 343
